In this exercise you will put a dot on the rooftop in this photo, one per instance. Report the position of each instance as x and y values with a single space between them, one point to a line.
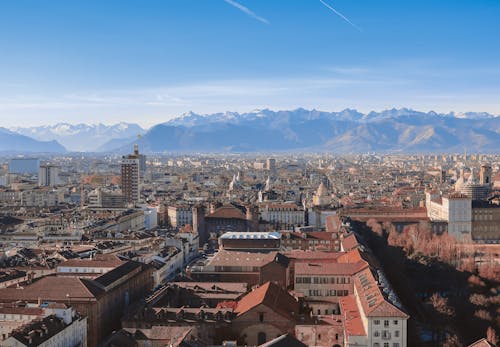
38 331
53 288
227 212
272 296
237 258
251 235
353 325
372 301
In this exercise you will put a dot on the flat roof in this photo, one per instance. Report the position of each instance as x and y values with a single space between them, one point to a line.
251 235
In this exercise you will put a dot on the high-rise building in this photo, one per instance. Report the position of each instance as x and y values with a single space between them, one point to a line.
130 172
48 175
271 164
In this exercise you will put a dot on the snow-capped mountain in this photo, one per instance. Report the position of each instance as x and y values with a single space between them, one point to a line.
82 137
395 130
400 130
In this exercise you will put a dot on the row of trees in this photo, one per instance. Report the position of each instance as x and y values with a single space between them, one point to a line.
478 269
419 240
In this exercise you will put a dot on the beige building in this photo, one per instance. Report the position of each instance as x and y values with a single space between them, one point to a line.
180 215
288 214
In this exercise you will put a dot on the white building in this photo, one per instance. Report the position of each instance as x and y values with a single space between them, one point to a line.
167 263
455 209
54 325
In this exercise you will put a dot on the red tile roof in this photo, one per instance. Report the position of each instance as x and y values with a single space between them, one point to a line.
227 304
272 296
353 256
227 212
353 325
52 288
349 242
372 301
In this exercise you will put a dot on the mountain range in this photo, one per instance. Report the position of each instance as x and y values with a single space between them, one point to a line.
396 130
15 143
82 137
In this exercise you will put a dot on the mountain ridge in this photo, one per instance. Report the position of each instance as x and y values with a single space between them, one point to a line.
81 137
16 143
348 130
394 130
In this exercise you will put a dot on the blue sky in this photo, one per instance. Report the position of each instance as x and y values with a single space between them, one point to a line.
146 61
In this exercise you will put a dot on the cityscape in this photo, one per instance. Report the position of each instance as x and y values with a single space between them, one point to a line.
195 173
207 250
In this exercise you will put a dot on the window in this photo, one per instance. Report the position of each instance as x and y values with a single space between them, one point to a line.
395 322
319 336
376 334
386 323
386 344
396 333
261 317
376 322
395 344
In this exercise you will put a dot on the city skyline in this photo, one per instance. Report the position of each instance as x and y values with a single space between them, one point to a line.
92 62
